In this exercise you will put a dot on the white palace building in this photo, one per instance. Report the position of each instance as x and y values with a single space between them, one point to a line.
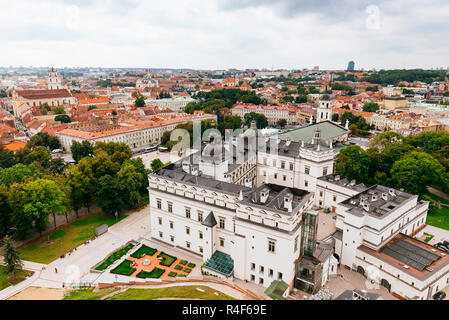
257 220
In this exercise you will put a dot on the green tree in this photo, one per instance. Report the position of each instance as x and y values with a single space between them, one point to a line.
108 195
43 197
39 156
417 170
370 107
140 168
83 184
6 157
156 164
381 140
44 108
81 149
11 257
63 118
59 110
118 151
140 101
282 123
129 182
57 166
353 163
43 139
5 212
20 220
261 120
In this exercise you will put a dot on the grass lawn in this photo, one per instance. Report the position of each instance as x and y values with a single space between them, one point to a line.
167 260
124 268
88 294
154 274
64 239
8 280
171 292
439 218
143 250
114 257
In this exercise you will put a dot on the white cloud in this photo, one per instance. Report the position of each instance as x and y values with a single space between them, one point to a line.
213 34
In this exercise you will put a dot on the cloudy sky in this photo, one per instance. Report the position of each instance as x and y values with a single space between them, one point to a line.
222 34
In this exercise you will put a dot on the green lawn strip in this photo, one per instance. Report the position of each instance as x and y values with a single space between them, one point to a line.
155 273
428 237
171 292
9 280
64 239
167 260
114 257
439 218
88 294
124 268
143 250
437 198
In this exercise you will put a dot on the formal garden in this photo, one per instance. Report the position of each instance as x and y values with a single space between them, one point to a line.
114 257
147 262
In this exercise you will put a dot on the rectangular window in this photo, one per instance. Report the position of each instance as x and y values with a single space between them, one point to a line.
275 175
335 198
261 269
172 239
200 216
253 266
284 177
261 281
159 203
282 164
270 272
170 207
325 171
200 235
161 234
307 170
187 230
160 220
222 223
291 165
271 246
222 242
187 212
188 244
201 249
306 183
171 224
279 275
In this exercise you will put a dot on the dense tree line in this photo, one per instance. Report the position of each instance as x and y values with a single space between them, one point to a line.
396 76
409 163
34 187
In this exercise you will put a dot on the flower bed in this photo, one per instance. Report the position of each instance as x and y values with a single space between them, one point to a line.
143 250
155 273
124 268
114 257
167 260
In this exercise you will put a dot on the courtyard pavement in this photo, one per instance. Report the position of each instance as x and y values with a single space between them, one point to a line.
326 225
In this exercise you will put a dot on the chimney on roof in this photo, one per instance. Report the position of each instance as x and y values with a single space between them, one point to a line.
288 202
241 195
195 171
264 195
373 197
391 192
249 182
337 177
366 207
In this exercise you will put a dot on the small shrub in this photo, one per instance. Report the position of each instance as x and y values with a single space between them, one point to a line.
178 267
172 274
191 265
183 262
182 275
187 270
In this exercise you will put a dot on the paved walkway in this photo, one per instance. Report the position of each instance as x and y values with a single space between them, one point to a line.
439 234
350 280
438 193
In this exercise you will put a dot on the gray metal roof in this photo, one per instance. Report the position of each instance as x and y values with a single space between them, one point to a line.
329 130
210 220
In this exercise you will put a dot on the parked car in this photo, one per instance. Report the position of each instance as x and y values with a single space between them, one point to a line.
439 295
446 243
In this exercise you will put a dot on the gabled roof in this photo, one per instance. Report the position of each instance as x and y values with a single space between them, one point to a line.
210 220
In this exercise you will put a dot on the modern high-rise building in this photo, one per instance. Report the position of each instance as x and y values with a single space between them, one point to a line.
351 66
